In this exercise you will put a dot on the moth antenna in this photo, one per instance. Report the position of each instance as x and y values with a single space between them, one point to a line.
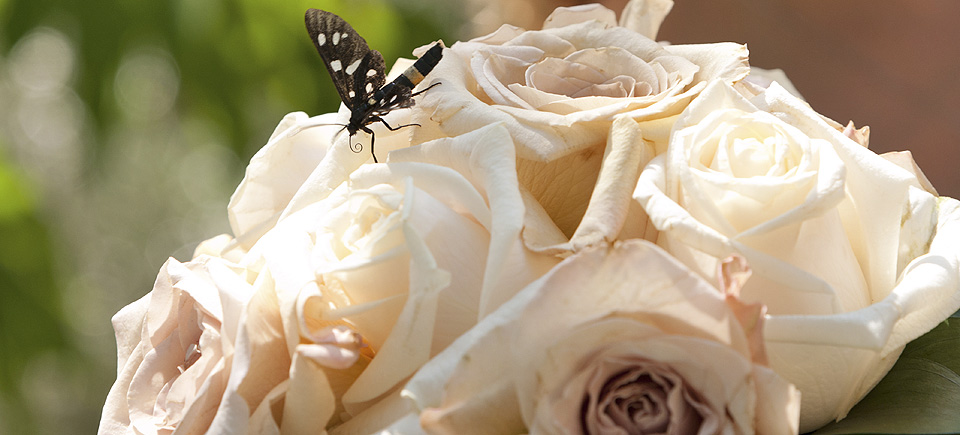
354 146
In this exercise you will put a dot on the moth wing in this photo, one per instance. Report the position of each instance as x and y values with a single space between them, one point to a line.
365 82
344 52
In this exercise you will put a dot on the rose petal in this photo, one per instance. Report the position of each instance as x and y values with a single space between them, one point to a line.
862 137
492 168
309 402
261 361
875 186
904 159
565 16
724 61
570 128
610 201
645 16
760 79
276 172
403 352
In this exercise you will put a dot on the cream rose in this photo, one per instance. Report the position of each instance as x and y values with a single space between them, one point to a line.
559 90
277 171
850 254
306 151
297 154
650 348
403 257
352 277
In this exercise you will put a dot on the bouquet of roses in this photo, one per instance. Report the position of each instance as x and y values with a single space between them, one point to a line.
588 232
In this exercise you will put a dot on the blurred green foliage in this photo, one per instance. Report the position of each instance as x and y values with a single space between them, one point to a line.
30 318
96 190
231 54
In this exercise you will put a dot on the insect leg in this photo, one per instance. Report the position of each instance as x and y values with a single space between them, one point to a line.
397 127
424 90
373 137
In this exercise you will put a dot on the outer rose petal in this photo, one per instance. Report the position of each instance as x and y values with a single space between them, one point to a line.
761 79
645 16
610 202
472 385
261 363
276 172
565 16
183 333
904 159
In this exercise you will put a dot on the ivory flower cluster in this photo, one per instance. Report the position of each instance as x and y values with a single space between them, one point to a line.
589 232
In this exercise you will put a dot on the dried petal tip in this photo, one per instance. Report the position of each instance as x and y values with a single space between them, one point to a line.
859 135
732 274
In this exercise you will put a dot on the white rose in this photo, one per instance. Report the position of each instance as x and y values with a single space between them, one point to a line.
559 90
760 79
850 254
406 256
650 348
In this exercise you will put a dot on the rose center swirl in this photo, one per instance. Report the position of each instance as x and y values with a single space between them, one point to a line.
639 401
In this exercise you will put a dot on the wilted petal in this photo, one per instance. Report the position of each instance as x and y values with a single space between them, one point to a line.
862 136
645 16
904 159
565 16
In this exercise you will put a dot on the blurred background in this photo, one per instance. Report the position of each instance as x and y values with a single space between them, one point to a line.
125 126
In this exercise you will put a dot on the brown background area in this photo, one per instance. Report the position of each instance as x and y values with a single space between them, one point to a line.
891 65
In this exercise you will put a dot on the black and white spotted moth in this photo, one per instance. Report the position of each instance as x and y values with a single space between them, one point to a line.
358 73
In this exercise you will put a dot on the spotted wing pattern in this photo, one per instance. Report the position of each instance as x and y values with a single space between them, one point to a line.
356 70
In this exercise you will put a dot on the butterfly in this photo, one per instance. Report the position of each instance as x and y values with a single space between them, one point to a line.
358 73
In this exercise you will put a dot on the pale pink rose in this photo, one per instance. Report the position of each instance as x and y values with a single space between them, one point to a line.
559 92
176 346
205 352
558 89
612 340
852 256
